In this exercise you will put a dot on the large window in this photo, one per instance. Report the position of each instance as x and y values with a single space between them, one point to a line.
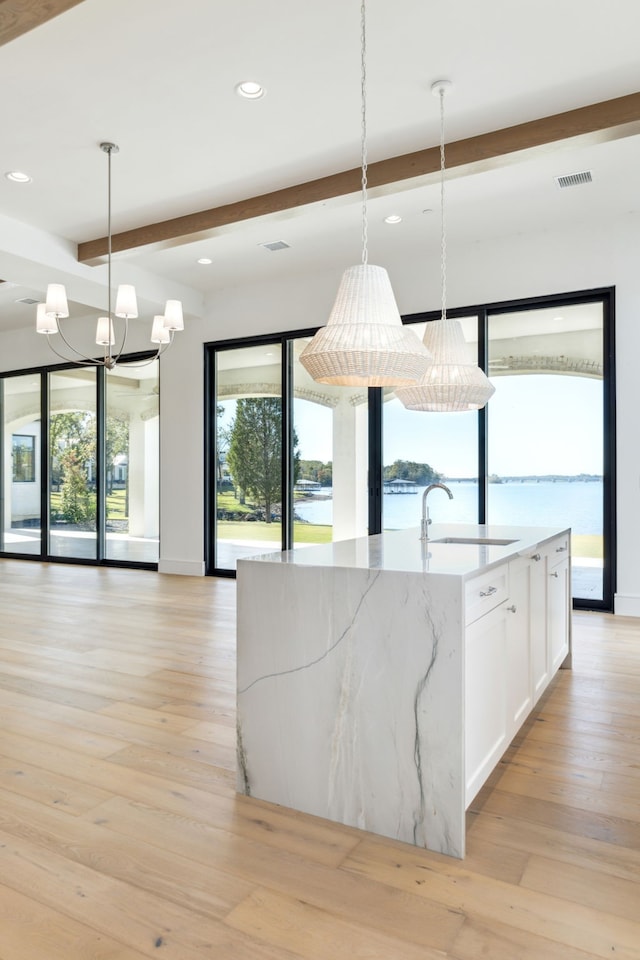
249 453
346 461
132 463
72 463
21 437
420 448
546 442
79 475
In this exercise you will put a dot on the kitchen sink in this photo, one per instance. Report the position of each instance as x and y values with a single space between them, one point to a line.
486 541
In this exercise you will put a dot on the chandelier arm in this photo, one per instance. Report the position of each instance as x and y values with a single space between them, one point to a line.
162 348
82 356
116 359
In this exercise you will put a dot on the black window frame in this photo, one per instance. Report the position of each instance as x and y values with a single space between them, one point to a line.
483 312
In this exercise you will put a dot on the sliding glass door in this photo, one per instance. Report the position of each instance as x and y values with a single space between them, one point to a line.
346 461
22 473
421 448
79 473
249 465
546 436
72 464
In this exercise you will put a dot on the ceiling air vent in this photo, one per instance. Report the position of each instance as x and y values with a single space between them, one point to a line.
28 300
275 245
574 179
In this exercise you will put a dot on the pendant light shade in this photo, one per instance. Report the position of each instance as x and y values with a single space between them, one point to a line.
452 382
364 342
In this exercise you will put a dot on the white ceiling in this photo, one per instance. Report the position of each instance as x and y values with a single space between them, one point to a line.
158 79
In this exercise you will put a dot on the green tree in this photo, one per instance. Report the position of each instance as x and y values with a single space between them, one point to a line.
72 437
78 503
318 471
254 456
421 473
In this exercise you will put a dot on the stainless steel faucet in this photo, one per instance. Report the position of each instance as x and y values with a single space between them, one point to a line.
424 523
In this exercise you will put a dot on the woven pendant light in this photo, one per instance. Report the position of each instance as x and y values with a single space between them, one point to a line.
364 342
453 382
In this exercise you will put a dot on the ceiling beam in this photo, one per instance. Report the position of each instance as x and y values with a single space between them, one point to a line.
20 16
597 122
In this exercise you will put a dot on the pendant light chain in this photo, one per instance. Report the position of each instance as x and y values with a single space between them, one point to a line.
443 242
109 152
363 151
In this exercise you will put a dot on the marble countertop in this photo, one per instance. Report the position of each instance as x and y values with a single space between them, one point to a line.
402 550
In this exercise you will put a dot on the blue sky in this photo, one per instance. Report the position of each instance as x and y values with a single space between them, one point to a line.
537 425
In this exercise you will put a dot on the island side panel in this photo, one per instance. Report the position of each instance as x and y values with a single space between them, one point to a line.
350 697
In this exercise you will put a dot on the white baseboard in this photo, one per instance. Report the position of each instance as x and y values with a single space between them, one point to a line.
185 568
626 605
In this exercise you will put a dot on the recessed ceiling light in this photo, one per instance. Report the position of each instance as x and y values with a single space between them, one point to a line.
17 176
393 218
205 260
250 90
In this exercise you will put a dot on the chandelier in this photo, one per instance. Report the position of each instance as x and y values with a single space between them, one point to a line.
55 309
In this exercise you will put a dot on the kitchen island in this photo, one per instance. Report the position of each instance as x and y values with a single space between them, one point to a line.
380 680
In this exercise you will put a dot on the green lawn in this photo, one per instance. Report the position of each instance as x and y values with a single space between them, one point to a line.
116 504
258 530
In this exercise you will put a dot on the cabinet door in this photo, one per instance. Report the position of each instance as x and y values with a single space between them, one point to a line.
485 697
558 606
518 693
540 673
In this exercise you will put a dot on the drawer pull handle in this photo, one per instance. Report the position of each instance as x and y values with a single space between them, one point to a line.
487 593
554 574
536 557
512 608
560 549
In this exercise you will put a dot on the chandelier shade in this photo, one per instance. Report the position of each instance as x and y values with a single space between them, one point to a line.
104 332
45 322
159 332
453 383
364 342
126 302
56 303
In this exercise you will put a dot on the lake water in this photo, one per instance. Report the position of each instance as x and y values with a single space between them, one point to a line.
576 504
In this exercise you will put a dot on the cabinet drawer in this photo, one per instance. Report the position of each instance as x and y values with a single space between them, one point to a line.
484 593
557 550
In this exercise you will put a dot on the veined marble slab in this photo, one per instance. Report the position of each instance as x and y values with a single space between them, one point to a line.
350 698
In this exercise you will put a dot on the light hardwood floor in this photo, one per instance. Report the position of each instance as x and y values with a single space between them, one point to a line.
121 837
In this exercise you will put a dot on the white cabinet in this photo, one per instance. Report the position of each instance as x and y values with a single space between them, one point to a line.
519 691
540 672
558 604
485 697
517 618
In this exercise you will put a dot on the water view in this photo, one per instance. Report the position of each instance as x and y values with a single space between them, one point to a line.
542 503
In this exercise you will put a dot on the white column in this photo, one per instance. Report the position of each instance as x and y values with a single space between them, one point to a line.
143 478
350 512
